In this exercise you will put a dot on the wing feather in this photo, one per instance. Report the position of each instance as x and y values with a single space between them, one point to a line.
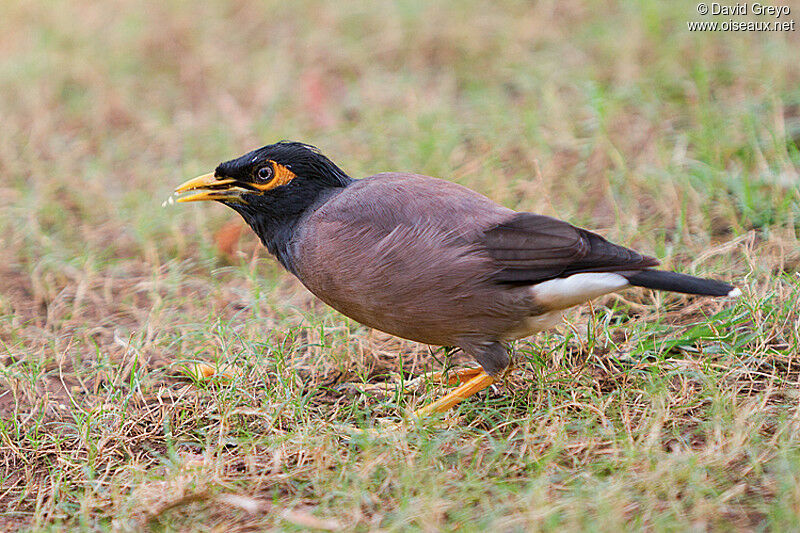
530 248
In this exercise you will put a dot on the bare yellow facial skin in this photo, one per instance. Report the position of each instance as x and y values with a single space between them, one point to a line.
280 176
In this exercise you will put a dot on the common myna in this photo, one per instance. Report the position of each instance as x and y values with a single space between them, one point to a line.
426 259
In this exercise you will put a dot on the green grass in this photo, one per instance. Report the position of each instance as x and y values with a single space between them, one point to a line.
645 411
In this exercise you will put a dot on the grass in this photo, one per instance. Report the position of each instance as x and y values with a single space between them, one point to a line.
645 411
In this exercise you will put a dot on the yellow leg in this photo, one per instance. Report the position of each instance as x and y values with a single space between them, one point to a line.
462 375
474 380
452 377
462 392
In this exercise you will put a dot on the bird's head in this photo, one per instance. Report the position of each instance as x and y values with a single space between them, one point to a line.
271 188
284 177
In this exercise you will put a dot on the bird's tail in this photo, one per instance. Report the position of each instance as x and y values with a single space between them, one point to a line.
664 280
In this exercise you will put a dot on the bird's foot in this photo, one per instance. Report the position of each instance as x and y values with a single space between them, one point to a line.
451 377
479 381
470 380
462 375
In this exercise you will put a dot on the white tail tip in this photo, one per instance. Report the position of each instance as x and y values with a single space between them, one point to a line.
734 293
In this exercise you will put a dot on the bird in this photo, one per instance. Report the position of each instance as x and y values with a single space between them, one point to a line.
424 258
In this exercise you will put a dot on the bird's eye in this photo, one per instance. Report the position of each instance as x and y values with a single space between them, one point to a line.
264 173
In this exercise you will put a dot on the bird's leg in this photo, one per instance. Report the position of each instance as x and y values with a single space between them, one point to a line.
451 377
492 356
462 375
462 392
476 384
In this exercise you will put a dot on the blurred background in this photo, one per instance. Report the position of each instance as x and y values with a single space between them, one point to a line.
609 114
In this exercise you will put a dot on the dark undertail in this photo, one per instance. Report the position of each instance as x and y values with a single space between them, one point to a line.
663 280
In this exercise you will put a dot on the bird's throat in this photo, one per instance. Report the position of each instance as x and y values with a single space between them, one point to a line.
277 225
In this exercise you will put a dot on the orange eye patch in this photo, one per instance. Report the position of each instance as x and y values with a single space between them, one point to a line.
280 176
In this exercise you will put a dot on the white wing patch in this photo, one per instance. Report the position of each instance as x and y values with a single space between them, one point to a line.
562 293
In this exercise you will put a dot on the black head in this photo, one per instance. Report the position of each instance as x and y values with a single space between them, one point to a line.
271 187
285 177
303 161
270 173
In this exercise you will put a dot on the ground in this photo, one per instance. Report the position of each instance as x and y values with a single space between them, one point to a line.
644 410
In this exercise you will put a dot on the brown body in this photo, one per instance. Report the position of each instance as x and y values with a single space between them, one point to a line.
376 253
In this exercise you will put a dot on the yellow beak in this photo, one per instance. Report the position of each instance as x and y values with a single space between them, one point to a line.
215 189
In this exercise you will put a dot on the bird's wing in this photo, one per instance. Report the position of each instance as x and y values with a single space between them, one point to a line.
530 248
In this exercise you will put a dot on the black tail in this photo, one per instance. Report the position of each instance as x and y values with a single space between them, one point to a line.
664 280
